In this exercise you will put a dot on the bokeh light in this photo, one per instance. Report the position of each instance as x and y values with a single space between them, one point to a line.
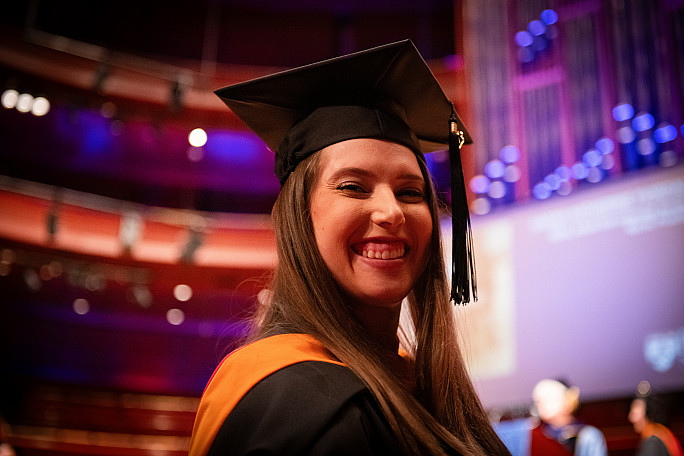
643 122
197 137
182 292
175 316
549 16
509 154
623 111
9 98
665 133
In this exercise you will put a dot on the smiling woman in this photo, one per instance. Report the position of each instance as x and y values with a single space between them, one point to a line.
358 234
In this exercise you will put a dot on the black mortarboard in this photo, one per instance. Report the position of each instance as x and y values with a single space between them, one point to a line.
387 92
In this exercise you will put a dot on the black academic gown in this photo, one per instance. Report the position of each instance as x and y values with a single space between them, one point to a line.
285 395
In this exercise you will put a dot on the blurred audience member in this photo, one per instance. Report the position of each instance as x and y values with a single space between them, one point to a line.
648 415
7 450
559 432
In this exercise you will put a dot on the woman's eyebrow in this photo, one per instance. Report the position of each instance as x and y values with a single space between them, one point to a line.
363 172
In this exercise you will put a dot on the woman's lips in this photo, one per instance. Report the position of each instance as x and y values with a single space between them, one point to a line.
385 250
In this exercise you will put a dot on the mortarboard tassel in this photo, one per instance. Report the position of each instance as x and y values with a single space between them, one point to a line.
462 256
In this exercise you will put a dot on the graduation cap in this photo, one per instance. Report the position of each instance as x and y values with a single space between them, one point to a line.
387 92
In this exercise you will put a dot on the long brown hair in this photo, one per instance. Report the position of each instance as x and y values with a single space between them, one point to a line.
445 414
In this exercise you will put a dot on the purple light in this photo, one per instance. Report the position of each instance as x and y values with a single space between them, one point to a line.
605 145
646 146
495 169
526 55
563 172
665 133
541 191
479 184
580 171
524 38
623 111
536 28
509 154
643 122
549 17
625 135
592 157
553 181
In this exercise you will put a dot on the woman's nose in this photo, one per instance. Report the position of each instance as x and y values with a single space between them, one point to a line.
386 209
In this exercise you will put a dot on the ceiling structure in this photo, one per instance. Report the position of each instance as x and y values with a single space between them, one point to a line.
129 80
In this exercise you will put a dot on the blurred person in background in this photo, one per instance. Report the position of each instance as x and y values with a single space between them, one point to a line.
559 432
648 415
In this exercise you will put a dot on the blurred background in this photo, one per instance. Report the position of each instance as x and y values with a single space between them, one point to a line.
134 207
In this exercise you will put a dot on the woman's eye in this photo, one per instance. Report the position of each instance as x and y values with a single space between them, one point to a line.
411 195
351 187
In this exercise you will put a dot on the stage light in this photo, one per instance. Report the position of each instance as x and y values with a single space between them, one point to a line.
494 169
594 175
81 306
592 157
479 184
605 145
665 133
553 181
625 135
197 137
24 102
512 173
524 38
643 122
509 154
497 190
646 146
40 107
182 292
536 28
541 191
481 206
9 98
175 316
549 16
623 111
579 171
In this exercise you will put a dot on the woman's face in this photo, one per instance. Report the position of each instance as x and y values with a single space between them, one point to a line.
371 219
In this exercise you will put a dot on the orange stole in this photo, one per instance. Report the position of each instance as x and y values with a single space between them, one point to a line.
240 371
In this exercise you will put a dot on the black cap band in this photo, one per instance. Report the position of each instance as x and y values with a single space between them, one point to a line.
329 125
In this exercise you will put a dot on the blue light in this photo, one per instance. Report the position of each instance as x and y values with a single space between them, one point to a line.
525 54
553 181
592 157
549 17
480 184
235 147
541 191
580 171
524 38
509 154
665 133
495 169
539 44
605 145
563 172
643 122
536 28
623 111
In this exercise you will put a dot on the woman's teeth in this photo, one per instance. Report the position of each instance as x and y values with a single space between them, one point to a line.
385 255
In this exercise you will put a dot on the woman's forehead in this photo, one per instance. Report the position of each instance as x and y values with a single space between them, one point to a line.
369 156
